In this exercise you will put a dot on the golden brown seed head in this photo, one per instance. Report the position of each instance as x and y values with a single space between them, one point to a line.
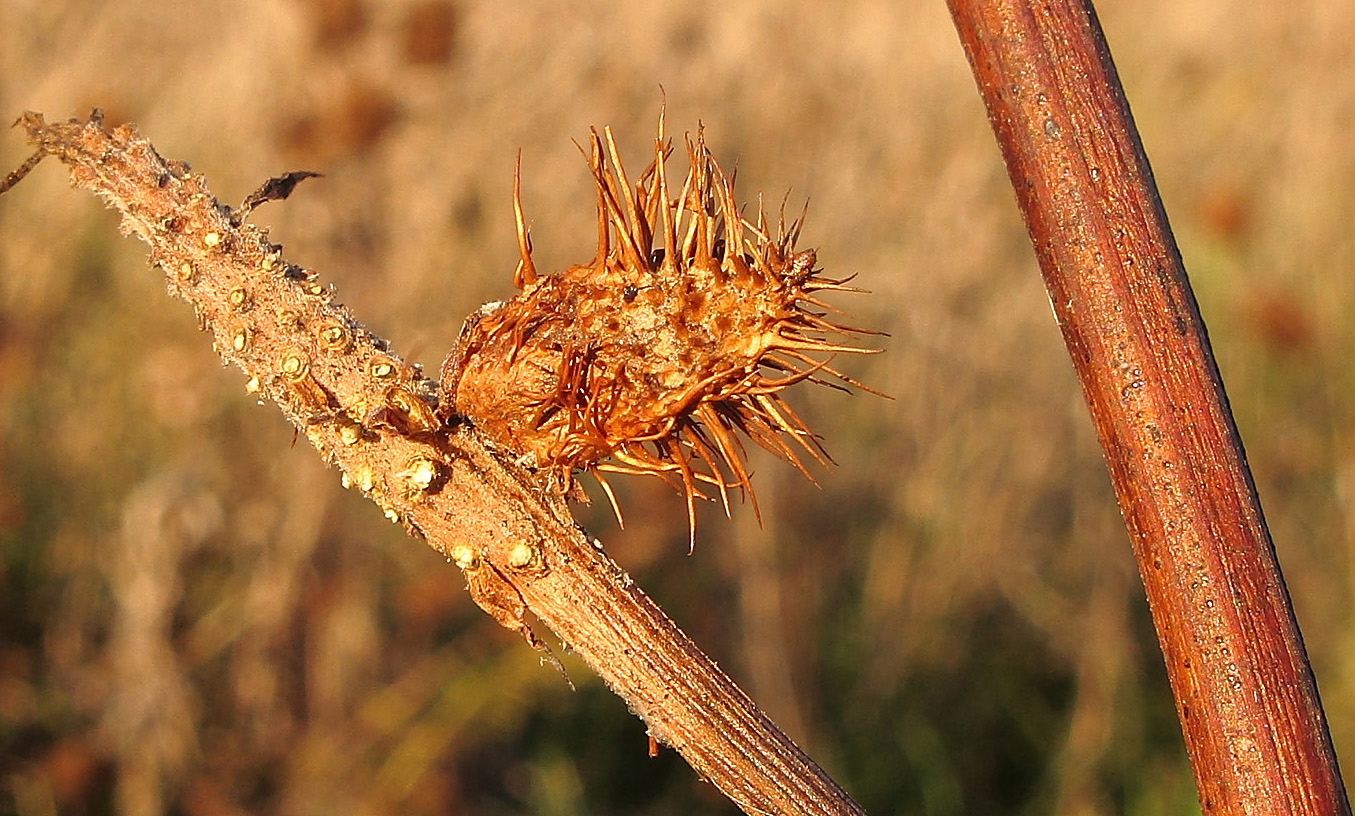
682 331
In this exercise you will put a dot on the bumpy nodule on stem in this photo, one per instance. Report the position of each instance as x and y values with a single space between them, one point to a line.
662 352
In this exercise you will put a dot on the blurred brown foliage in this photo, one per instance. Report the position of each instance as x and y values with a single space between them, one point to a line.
196 619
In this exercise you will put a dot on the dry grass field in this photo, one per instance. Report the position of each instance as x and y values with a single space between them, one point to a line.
196 619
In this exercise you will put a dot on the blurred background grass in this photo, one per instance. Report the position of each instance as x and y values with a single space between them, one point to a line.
196 619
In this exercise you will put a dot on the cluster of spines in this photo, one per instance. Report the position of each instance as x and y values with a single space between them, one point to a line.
743 298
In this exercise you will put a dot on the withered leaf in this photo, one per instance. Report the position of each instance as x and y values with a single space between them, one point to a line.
275 189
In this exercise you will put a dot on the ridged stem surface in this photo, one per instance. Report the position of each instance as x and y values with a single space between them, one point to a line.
1246 698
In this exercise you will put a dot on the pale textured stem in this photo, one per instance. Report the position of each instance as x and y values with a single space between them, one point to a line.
372 415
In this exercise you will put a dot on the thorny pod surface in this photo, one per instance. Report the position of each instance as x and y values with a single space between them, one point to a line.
655 357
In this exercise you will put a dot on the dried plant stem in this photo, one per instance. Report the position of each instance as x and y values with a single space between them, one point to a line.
372 415
1247 701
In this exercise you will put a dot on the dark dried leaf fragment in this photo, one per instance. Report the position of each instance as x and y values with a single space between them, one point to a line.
275 189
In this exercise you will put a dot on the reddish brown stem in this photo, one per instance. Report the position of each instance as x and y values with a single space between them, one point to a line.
1247 701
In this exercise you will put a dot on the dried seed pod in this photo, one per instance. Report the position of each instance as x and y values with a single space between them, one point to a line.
681 331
